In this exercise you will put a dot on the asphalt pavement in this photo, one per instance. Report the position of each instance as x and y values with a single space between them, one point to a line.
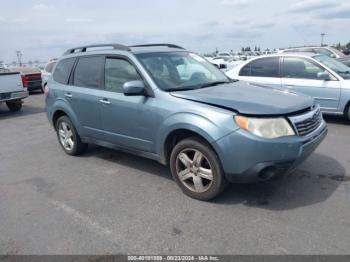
108 202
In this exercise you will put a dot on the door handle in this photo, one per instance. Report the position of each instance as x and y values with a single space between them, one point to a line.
105 101
68 95
289 85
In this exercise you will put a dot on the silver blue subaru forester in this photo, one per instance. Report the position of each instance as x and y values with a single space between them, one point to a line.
171 105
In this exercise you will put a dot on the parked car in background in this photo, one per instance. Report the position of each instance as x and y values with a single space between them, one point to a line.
31 77
319 76
47 71
220 62
11 90
171 105
324 50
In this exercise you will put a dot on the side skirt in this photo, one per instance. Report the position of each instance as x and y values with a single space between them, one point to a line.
149 155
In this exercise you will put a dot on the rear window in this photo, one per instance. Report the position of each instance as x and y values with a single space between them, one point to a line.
88 72
63 69
264 67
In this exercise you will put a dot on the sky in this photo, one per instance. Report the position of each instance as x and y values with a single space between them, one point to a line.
44 29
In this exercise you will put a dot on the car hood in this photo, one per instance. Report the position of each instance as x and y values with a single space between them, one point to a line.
248 99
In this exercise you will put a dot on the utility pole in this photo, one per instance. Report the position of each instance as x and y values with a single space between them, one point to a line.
19 57
322 38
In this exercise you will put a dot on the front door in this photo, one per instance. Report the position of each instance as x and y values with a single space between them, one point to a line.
300 76
127 120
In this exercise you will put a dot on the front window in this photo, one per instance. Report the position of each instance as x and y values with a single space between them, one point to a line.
336 66
295 67
174 71
117 73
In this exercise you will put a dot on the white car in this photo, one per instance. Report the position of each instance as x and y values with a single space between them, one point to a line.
325 50
47 71
319 76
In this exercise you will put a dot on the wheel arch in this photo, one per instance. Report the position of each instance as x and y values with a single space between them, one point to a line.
60 109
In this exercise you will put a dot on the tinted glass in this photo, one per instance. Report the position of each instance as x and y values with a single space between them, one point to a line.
88 72
118 72
245 71
265 67
63 70
294 67
181 70
340 68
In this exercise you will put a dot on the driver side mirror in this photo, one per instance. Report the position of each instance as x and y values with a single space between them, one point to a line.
134 88
323 76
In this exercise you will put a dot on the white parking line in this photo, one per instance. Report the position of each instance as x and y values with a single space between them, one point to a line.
93 226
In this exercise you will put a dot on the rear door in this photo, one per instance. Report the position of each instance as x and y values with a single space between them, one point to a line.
264 71
84 92
300 75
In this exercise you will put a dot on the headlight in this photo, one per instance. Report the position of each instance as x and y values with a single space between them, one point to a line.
265 127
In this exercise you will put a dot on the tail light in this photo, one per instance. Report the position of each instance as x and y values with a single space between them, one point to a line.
46 90
25 81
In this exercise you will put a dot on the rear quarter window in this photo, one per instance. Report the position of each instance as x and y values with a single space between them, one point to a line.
63 70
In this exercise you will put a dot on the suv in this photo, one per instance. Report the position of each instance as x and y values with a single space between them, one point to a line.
171 105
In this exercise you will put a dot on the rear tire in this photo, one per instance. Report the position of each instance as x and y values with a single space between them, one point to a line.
14 105
197 170
68 137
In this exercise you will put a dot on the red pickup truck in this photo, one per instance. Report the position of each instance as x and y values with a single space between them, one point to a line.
31 77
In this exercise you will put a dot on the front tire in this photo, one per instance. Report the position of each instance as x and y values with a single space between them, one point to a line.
196 169
68 137
14 105
347 113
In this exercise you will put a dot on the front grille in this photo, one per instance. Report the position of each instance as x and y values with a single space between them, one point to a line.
310 124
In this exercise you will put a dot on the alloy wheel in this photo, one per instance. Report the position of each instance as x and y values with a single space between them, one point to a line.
66 135
194 170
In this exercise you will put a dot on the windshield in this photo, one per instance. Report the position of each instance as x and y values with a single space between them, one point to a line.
340 54
336 66
175 71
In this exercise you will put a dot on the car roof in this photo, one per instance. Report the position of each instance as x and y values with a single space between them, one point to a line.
305 47
296 54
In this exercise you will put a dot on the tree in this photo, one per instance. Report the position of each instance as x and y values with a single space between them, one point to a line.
347 45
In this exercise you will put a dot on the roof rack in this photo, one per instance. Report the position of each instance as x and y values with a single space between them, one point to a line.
167 45
83 48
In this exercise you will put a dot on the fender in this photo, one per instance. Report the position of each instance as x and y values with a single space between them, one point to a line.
192 122
61 104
